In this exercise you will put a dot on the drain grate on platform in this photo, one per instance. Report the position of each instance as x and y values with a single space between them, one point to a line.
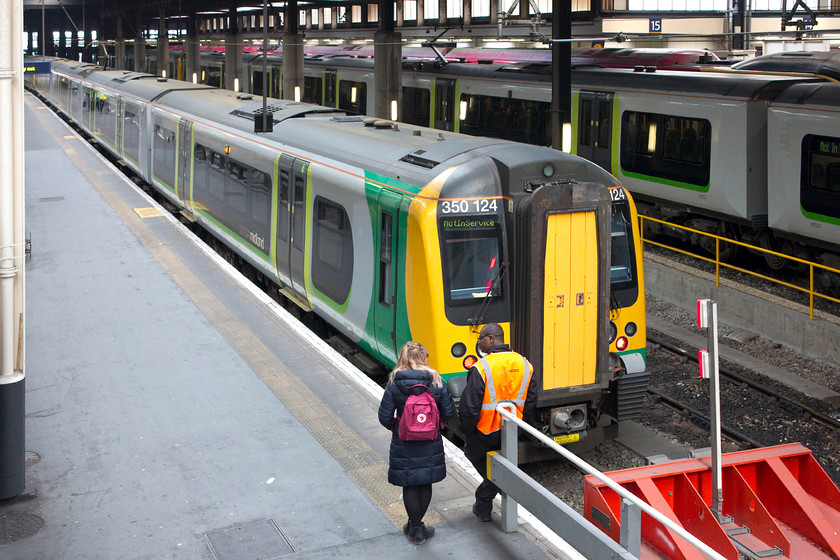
261 540
30 458
17 526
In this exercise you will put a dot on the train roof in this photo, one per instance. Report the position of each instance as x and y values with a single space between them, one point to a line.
73 68
412 154
826 63
724 83
141 86
826 94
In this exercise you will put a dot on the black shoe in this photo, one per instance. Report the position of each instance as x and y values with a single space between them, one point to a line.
428 532
418 534
482 515
407 528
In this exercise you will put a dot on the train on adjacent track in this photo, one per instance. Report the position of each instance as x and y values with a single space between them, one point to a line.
391 232
695 148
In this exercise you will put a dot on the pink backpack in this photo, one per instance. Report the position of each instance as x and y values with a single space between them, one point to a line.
420 420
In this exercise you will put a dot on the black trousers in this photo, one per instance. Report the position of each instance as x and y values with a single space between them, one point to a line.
476 447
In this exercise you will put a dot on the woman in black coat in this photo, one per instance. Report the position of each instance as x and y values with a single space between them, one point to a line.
414 465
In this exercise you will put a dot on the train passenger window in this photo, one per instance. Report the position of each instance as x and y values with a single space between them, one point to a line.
298 213
329 88
527 118
495 113
332 254
471 255
385 240
312 90
200 169
260 200
822 162
416 106
820 172
585 120
667 146
283 204
352 96
235 190
257 82
471 119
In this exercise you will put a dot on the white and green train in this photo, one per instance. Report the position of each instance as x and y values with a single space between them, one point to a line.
392 233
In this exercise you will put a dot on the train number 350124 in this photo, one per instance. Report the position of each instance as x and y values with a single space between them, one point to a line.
464 206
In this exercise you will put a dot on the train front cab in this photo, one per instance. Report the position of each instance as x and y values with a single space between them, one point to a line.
582 289
547 281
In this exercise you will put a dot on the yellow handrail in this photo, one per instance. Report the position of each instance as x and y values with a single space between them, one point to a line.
811 291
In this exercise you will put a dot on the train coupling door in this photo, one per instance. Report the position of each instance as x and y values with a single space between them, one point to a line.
561 301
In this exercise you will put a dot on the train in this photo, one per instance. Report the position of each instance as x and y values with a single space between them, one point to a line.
692 147
388 232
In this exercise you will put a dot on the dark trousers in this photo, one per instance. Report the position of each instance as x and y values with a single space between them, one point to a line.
476 447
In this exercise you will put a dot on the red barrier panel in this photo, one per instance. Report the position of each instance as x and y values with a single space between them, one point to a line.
777 502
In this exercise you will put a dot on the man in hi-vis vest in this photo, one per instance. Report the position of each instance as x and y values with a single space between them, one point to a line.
502 375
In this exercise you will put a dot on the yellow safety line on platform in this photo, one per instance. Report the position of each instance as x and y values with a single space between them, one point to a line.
148 212
360 461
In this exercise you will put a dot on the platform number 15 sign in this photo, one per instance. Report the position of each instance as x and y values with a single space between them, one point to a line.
655 25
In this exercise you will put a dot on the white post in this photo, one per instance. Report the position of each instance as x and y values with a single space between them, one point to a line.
707 318
11 250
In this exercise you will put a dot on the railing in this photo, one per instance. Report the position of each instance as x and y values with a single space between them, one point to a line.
568 524
811 290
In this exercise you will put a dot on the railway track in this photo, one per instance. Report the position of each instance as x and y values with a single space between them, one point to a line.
806 411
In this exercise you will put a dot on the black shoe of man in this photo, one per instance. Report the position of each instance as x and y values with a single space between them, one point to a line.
482 514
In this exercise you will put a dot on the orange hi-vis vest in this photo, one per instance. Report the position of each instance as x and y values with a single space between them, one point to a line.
506 378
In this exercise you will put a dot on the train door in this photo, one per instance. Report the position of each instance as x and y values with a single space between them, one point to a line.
330 88
291 224
183 178
444 105
119 142
594 138
88 103
385 314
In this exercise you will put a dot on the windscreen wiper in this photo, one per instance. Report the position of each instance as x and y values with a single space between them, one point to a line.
478 319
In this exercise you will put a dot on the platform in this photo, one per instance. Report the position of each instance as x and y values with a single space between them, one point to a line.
173 411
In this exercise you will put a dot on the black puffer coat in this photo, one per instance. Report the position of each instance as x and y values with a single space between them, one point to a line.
413 463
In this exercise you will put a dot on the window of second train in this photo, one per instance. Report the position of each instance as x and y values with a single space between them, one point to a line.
822 162
820 175
416 106
352 96
666 146
471 258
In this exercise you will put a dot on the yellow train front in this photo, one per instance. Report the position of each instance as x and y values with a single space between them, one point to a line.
548 248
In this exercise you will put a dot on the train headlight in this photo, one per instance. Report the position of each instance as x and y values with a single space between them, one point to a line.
630 329
613 332
458 349
469 362
548 170
621 343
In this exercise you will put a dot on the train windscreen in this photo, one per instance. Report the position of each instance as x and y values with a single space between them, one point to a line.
621 267
471 258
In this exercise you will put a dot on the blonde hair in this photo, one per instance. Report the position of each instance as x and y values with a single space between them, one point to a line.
413 355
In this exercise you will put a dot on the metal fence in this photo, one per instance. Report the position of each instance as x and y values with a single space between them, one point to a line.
518 488
811 290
